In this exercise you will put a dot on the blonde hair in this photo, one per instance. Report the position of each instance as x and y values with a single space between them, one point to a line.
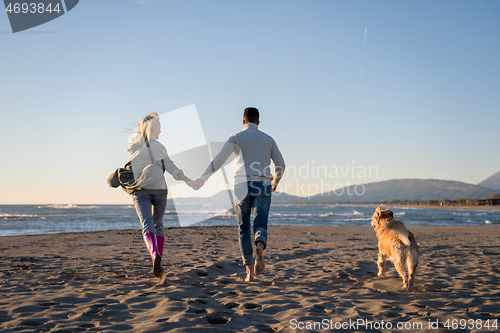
142 132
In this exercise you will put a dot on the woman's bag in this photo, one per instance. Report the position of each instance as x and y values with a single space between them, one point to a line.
124 177
149 178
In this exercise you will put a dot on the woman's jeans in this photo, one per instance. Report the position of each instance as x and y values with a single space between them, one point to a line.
151 218
258 199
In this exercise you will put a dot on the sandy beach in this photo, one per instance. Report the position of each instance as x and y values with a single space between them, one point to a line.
102 282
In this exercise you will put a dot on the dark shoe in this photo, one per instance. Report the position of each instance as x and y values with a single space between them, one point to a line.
157 269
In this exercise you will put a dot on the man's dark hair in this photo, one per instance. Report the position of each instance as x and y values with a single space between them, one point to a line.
251 115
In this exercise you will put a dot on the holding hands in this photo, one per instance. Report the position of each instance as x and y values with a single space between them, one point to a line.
200 182
195 184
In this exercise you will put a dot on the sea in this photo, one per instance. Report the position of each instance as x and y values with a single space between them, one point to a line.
46 219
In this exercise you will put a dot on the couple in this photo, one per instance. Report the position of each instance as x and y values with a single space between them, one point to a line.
254 151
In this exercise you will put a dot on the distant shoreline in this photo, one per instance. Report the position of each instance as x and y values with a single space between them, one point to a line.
388 204
461 207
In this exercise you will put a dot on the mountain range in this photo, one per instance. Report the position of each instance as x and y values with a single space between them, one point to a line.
492 182
395 189
406 189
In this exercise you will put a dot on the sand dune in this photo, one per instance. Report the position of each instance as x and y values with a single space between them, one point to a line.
102 281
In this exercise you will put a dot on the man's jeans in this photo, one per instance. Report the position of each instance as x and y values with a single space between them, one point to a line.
151 220
257 198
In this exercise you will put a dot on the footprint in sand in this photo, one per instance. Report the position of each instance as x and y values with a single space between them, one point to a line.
216 317
251 306
32 323
231 305
202 273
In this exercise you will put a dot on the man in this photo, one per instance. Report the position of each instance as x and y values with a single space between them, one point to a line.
253 185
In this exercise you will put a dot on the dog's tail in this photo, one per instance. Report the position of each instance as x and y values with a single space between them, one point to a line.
404 238
401 230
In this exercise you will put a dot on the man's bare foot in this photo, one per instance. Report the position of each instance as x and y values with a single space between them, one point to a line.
259 259
250 276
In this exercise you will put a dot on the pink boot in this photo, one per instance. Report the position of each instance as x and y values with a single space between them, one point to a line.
152 246
160 241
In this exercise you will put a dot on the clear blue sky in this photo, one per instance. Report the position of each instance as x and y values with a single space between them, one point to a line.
410 87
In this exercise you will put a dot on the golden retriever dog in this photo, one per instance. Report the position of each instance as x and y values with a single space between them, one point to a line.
396 243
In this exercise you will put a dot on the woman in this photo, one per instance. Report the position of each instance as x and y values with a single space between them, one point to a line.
149 160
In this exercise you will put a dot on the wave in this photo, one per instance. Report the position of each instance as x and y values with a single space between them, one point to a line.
293 215
120 207
72 206
330 214
460 214
200 213
7 216
350 214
